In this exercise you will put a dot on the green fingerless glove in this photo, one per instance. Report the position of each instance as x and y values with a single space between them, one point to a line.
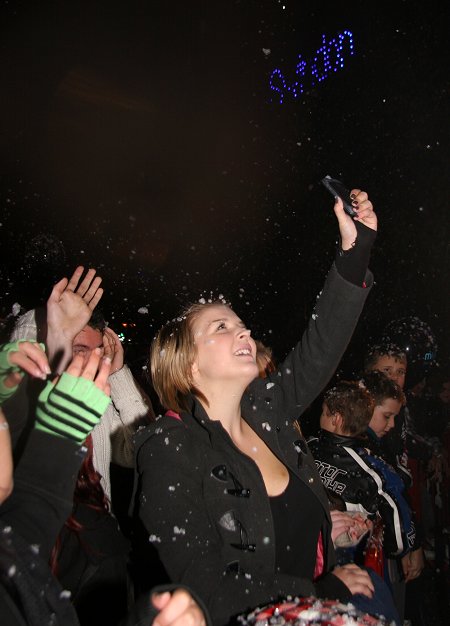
6 368
71 408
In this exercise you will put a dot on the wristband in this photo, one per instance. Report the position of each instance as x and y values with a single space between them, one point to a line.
7 368
71 408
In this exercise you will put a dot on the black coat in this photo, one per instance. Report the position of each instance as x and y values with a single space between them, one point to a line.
204 503
366 483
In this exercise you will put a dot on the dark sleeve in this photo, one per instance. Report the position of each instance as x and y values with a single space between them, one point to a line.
311 364
352 264
44 482
173 510
332 588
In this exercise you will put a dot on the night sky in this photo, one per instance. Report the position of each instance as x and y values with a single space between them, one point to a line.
143 138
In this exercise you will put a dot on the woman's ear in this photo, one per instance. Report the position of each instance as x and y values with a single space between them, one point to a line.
338 422
194 369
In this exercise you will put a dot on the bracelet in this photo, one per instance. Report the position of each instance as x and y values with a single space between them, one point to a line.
4 426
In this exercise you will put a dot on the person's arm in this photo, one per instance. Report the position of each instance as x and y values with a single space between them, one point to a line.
311 364
6 460
16 359
356 239
113 436
69 309
45 478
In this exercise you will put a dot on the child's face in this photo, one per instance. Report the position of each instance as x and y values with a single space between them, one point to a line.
394 368
383 418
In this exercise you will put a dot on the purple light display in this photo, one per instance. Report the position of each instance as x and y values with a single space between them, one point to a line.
329 58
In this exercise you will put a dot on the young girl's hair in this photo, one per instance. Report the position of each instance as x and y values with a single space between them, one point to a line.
171 356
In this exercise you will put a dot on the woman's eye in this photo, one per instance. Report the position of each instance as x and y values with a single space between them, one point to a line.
221 326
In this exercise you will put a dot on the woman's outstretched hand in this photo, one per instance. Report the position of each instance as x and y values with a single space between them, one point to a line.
365 215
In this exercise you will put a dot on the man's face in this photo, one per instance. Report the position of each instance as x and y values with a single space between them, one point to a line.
86 341
394 368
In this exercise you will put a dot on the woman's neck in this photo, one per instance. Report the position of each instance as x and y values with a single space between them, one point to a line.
224 405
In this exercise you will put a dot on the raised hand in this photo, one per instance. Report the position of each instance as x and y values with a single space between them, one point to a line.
74 406
69 309
19 358
113 349
365 215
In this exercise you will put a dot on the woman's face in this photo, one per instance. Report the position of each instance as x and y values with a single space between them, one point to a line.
383 418
225 349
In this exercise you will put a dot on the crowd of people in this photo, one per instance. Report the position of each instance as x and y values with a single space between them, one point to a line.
110 515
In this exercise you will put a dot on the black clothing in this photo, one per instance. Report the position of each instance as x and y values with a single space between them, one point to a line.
31 519
93 566
299 504
366 483
208 512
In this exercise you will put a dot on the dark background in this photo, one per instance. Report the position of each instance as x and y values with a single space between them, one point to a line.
142 138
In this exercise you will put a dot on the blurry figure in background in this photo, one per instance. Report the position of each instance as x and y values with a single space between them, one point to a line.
365 482
389 398
71 326
402 446
32 516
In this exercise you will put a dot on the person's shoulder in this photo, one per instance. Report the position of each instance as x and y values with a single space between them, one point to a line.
166 430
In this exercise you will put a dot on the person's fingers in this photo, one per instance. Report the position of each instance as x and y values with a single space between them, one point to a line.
58 290
101 380
96 299
160 600
91 367
76 365
86 282
90 293
112 334
29 365
13 379
180 605
36 353
73 282
356 579
339 207
193 616
358 196
108 345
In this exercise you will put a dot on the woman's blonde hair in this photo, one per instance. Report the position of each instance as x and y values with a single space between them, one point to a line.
171 357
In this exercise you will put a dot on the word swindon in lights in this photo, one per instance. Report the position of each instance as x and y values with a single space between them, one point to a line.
329 58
